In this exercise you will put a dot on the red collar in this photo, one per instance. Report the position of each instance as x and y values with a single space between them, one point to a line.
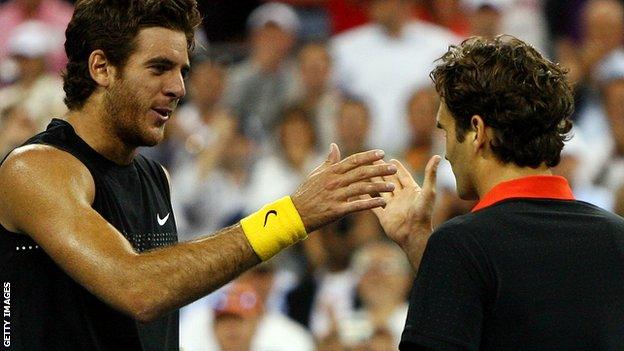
542 186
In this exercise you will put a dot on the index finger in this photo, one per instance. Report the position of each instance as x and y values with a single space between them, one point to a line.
359 159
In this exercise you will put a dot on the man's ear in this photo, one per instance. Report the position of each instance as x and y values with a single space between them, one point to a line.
100 68
480 135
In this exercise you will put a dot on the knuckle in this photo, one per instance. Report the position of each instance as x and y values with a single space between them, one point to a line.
332 184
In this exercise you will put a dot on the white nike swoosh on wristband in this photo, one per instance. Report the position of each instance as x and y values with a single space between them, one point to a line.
162 221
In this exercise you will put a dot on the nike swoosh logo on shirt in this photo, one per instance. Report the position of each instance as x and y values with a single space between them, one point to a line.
162 221
267 216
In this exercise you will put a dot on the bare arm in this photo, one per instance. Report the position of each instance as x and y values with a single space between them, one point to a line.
53 206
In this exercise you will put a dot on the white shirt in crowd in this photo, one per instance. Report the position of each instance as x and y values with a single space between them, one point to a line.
384 71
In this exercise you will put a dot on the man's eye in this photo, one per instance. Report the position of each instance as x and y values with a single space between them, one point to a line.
158 69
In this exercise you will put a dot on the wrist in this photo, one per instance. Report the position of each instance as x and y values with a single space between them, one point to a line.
273 228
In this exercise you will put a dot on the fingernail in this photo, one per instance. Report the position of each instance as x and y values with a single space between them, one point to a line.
390 186
392 168
380 153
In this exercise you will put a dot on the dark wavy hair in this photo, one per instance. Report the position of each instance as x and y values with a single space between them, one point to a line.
522 96
112 26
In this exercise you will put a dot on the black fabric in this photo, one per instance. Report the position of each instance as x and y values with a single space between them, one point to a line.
521 275
48 310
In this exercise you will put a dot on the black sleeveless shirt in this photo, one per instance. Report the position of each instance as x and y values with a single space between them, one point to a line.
42 307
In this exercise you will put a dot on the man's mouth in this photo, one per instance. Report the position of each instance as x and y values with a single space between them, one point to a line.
164 112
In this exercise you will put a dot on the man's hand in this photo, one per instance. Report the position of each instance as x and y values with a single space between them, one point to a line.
406 218
334 188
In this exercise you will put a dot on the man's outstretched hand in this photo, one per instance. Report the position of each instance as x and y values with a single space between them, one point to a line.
334 188
406 218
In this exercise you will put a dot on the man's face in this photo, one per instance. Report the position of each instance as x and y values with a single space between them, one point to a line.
353 125
314 67
234 333
207 83
143 96
384 11
458 154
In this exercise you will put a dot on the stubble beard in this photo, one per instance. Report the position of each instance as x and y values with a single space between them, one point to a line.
124 113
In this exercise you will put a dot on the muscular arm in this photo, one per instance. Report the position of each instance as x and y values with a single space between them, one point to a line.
53 206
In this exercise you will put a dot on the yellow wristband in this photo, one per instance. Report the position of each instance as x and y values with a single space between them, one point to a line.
273 228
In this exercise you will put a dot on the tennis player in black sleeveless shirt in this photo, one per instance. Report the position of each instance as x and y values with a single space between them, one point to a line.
89 258
530 268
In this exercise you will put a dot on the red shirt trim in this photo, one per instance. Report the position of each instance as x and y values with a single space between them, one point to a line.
532 187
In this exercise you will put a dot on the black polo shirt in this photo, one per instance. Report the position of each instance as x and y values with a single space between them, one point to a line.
529 269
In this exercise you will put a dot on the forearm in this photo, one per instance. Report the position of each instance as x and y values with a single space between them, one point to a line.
169 278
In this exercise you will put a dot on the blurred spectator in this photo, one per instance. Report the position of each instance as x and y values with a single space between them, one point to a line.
236 318
485 19
238 321
278 174
384 61
563 19
602 23
326 295
425 139
39 93
449 14
204 115
574 156
610 172
352 126
384 280
259 87
15 128
314 18
54 14
595 63
524 19
316 92
210 191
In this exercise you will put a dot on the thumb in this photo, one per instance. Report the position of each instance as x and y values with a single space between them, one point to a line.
334 154
431 172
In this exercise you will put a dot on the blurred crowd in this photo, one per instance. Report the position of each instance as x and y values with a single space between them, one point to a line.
272 85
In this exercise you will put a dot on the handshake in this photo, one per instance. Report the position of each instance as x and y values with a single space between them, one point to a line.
336 188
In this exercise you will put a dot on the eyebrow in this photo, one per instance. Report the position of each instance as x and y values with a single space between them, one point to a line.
160 60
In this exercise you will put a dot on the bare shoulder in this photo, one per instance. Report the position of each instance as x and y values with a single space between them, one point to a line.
43 172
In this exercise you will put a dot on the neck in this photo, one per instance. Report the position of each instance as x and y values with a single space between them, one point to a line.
492 175
90 125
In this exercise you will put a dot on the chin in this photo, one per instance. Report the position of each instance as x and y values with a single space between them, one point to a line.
466 193
152 137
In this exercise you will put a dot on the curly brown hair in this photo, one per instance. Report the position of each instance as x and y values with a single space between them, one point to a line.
112 26
521 95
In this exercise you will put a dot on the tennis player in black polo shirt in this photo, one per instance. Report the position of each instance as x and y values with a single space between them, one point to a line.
530 268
